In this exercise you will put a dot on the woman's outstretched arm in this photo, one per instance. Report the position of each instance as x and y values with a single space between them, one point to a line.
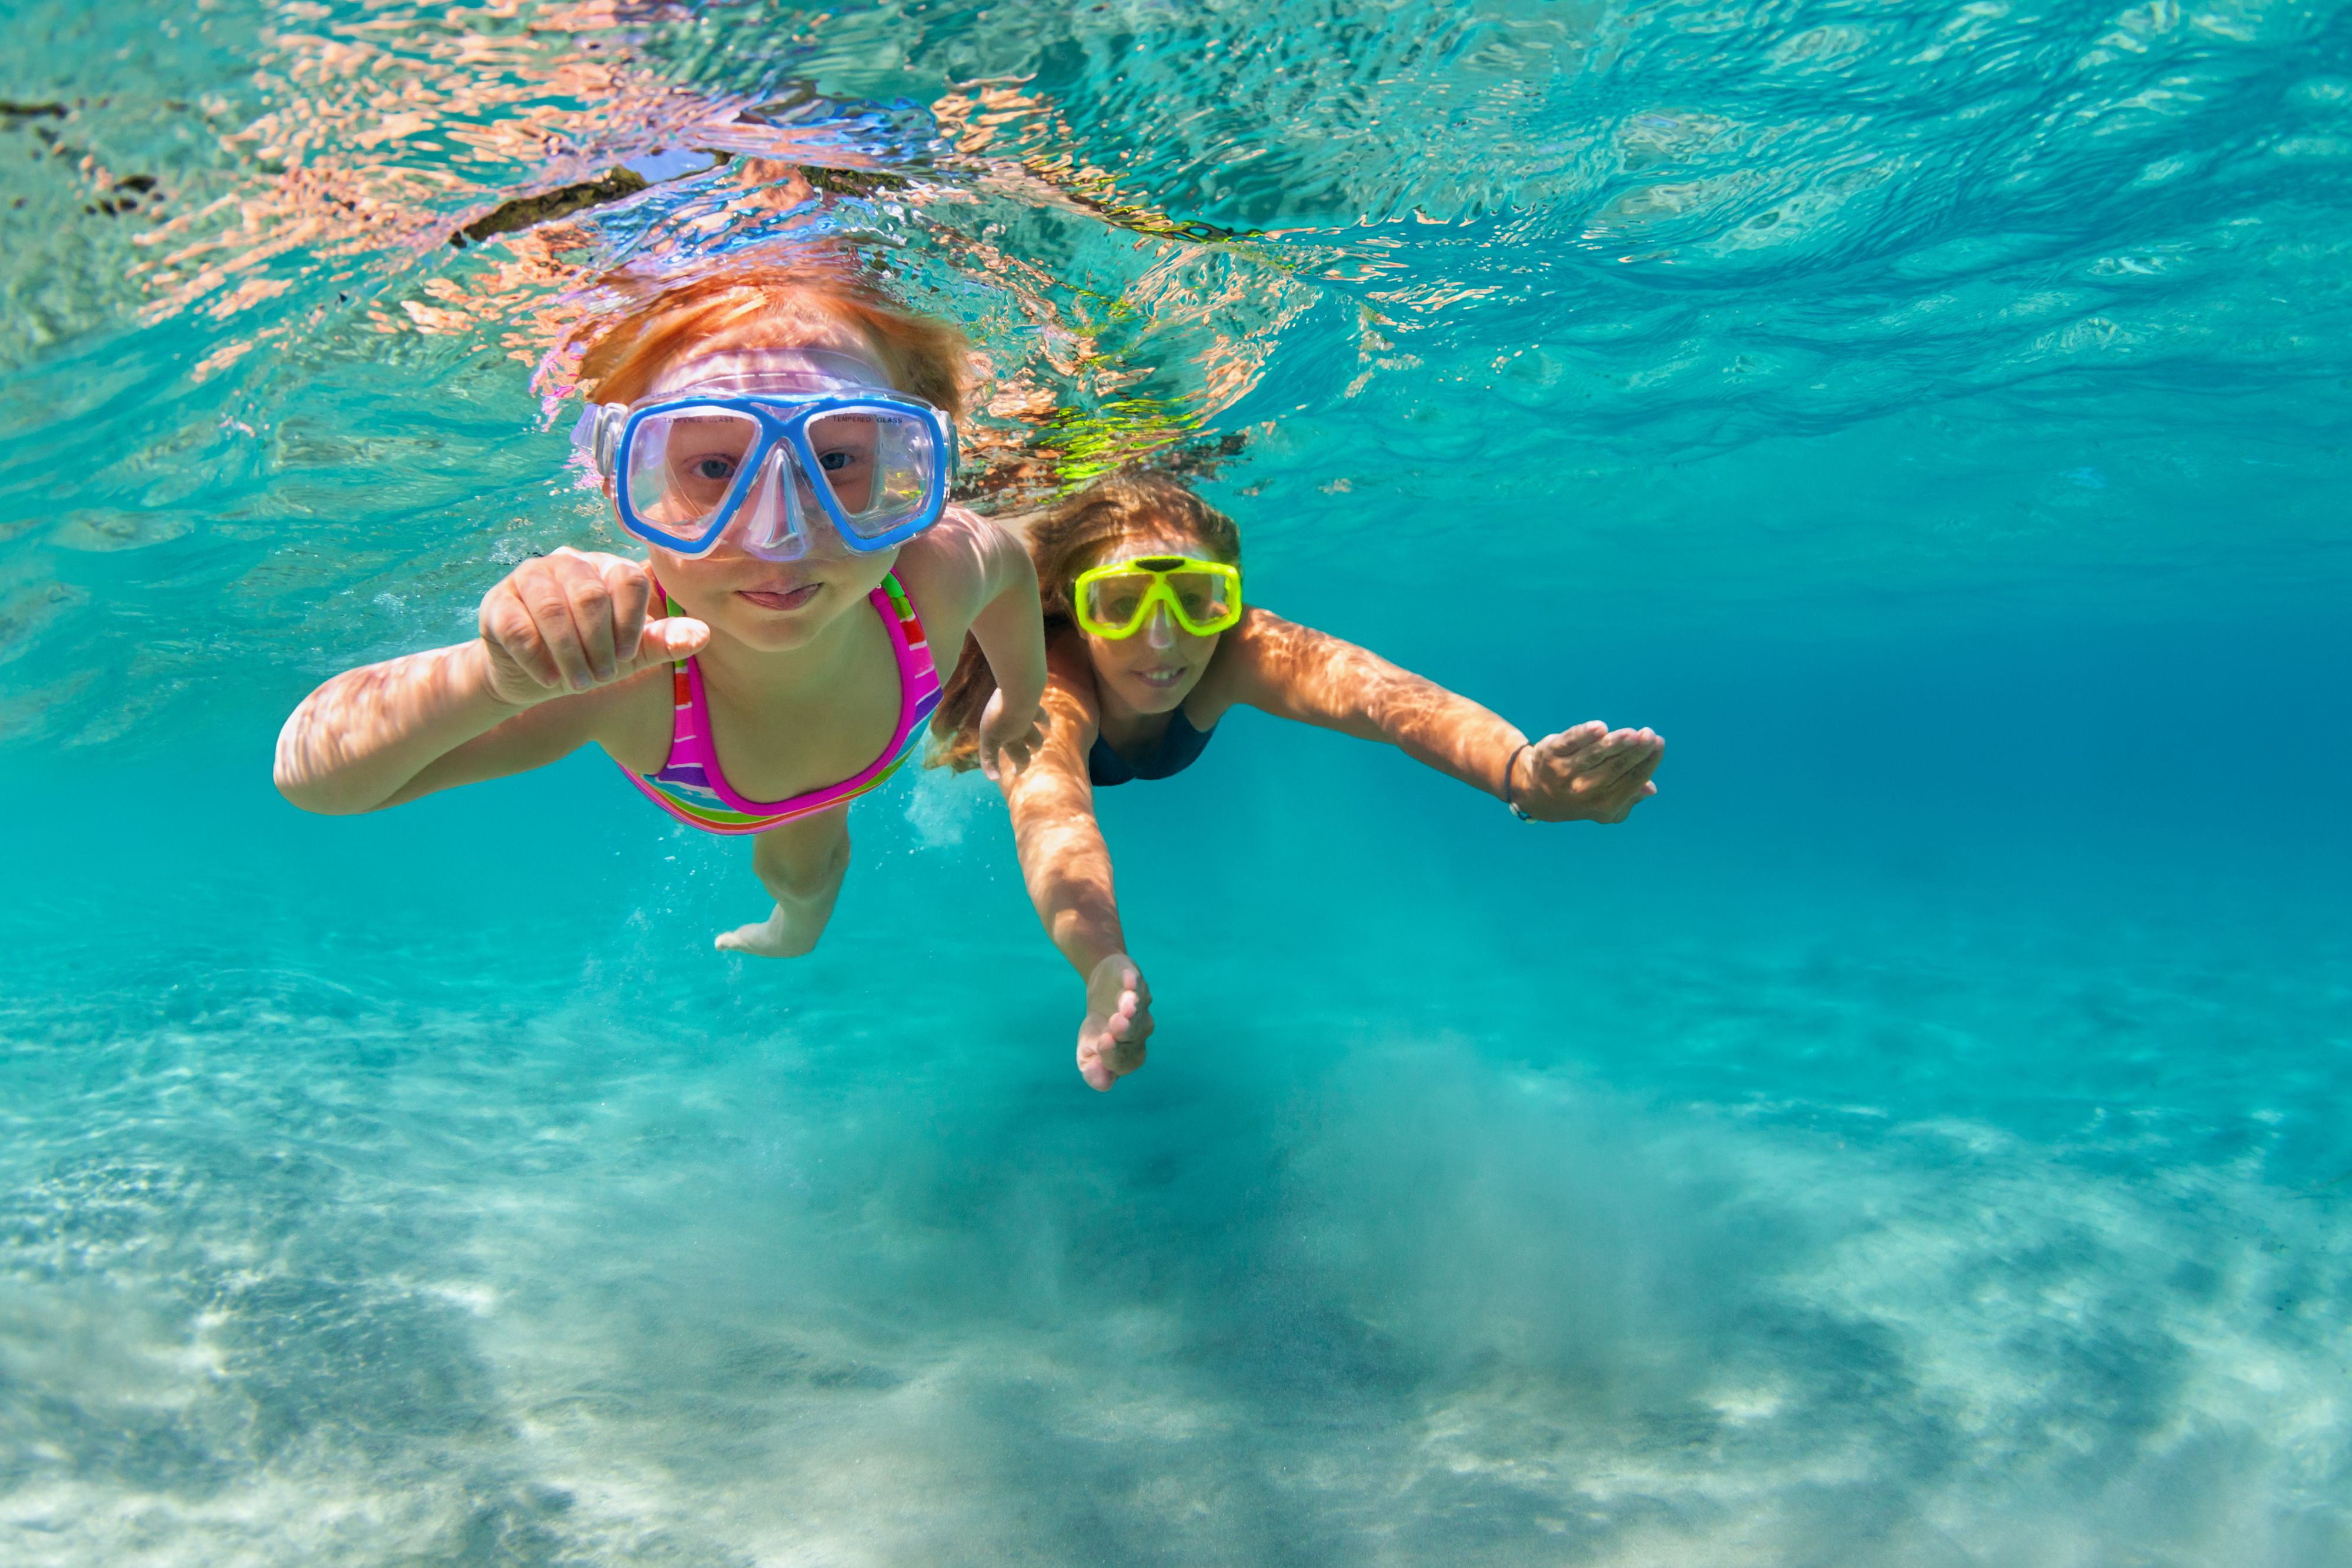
1066 867
1588 773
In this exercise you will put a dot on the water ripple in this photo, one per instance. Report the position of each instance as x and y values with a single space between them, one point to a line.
1326 249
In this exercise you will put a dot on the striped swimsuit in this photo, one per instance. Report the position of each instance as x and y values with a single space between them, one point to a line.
690 786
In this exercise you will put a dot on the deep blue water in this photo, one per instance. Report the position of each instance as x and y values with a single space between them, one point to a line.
1918 1135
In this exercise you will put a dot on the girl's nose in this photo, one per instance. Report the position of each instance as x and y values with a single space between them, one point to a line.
767 522
1162 632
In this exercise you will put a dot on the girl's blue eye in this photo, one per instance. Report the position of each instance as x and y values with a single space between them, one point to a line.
834 461
714 469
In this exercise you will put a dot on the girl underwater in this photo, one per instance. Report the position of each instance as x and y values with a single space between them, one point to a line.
1148 644
782 442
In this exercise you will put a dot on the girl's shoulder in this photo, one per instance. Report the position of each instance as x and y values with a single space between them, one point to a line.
949 564
960 540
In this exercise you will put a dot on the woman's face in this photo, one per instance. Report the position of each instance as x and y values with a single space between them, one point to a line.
1154 669
771 606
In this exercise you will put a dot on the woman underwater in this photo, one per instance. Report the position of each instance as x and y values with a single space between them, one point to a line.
1148 644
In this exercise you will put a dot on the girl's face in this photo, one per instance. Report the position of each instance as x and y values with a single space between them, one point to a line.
1155 669
771 606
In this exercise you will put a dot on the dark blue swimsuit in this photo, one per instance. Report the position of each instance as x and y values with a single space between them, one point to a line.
1180 743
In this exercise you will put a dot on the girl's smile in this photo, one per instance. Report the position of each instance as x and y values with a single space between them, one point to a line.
782 599
772 606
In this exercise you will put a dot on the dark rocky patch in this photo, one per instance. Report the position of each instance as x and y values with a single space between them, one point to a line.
527 212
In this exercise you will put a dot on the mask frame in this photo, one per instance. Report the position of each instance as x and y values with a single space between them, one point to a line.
607 433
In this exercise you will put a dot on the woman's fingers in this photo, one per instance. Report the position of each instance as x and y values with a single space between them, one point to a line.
1119 1021
1596 767
1618 784
1119 1048
1099 1057
1569 742
1631 787
1618 752
1624 764
1593 772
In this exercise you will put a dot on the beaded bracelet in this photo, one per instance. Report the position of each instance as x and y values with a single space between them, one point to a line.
1510 764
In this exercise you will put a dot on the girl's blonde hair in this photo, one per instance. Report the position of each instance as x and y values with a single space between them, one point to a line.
622 352
1064 541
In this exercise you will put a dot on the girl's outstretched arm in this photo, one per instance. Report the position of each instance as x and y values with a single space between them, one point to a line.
1011 635
973 564
555 628
1588 773
1066 867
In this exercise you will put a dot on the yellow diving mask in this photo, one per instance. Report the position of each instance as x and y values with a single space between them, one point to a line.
1203 597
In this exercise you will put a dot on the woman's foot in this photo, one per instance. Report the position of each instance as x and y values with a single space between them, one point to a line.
1119 1021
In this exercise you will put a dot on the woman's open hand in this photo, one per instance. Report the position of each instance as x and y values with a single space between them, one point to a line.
573 621
1589 774
1119 1021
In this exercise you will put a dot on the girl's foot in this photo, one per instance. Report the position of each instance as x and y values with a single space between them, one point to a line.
800 865
780 935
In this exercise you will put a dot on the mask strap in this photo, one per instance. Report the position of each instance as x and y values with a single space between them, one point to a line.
598 432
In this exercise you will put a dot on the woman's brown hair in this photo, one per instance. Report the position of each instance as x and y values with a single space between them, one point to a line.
623 351
1064 539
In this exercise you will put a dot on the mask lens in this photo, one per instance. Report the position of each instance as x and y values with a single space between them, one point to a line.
1206 598
879 464
683 463
1114 603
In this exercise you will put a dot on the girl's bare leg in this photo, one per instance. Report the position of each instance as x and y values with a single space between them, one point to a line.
801 865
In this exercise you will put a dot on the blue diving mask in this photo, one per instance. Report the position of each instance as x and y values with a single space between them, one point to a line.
770 450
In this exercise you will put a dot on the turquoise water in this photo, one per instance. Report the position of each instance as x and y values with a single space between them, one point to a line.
1918 1136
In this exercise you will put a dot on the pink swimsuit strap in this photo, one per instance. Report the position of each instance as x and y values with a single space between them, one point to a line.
690 784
